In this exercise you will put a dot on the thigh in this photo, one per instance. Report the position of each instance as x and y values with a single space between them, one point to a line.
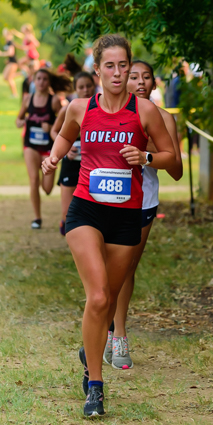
88 250
6 71
118 261
66 195
33 162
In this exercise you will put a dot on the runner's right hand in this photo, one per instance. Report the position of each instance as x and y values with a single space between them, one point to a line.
49 164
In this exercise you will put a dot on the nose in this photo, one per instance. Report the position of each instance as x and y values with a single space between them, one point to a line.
141 80
117 71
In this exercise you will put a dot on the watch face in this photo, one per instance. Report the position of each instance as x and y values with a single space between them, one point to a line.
149 157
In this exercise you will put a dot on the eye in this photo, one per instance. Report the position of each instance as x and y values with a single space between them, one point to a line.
133 77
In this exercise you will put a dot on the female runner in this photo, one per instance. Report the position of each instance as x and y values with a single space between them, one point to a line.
29 46
11 66
141 82
70 166
103 225
39 111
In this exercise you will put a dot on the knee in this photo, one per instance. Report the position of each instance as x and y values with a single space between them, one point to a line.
99 303
34 182
47 191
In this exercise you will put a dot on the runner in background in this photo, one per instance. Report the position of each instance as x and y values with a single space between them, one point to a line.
103 225
84 87
38 112
11 66
141 82
29 46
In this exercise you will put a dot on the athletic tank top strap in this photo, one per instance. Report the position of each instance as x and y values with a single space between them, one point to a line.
92 102
131 106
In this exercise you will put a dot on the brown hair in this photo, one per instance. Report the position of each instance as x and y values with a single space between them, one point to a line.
71 64
107 41
59 82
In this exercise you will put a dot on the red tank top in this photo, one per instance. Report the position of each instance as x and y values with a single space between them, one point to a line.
102 137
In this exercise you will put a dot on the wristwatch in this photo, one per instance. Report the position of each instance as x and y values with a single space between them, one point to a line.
149 158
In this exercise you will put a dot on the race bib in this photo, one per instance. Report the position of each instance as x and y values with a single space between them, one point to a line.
77 145
38 136
110 185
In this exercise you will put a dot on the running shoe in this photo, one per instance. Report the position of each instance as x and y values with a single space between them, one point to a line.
62 227
94 401
36 224
120 353
108 349
82 357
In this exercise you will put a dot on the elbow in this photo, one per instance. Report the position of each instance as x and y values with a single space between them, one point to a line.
179 175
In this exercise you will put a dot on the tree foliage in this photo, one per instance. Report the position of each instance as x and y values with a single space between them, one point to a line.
184 28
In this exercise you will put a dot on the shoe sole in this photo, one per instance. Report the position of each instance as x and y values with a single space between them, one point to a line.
94 414
124 367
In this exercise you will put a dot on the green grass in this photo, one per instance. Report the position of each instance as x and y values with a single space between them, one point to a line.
41 306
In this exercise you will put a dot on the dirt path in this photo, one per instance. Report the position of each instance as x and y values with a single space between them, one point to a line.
24 190
180 388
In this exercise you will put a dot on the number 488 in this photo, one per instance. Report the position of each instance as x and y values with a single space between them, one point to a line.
110 185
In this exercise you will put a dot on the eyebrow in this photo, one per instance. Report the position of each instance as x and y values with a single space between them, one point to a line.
137 72
111 63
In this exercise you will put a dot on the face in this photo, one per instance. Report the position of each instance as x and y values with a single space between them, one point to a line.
42 81
140 80
113 69
85 87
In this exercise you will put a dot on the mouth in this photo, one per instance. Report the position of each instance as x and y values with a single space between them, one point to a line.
141 91
116 83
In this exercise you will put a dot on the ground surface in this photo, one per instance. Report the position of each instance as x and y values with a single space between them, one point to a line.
172 347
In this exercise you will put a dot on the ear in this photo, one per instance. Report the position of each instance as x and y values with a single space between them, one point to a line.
154 86
96 68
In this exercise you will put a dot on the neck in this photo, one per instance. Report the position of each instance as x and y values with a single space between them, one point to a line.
41 93
112 103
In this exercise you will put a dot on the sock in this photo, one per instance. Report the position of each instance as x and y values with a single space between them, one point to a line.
99 383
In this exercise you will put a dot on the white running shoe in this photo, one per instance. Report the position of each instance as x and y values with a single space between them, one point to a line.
108 349
120 353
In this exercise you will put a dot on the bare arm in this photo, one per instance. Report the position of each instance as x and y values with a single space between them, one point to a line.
58 123
34 40
176 171
67 136
17 33
56 104
10 52
154 126
20 120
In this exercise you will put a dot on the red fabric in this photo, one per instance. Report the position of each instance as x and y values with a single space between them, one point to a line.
105 154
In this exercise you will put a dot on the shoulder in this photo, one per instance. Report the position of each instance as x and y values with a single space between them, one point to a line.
146 108
167 117
55 102
77 105
28 99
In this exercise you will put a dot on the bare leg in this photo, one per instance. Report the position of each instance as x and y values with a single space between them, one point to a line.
9 75
33 163
47 181
66 198
128 286
102 269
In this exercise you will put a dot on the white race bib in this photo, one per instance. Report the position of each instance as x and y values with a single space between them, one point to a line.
110 185
38 136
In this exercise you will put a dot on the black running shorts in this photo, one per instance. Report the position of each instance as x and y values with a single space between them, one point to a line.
121 226
69 172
